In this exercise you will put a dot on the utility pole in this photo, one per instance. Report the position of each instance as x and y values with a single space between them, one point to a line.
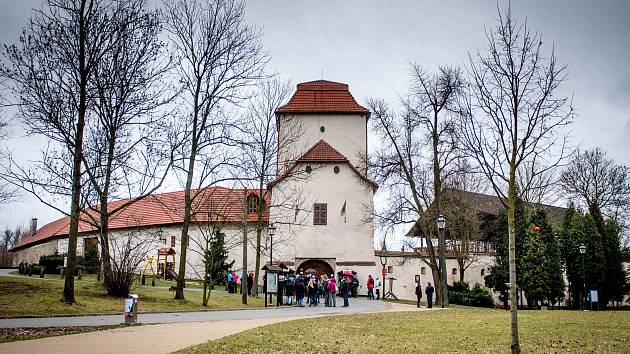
441 224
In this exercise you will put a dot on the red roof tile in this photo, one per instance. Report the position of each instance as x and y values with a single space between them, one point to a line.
215 203
324 153
322 96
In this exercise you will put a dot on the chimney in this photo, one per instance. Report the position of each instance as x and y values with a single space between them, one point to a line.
33 226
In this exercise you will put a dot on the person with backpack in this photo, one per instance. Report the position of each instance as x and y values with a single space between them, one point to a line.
332 292
370 287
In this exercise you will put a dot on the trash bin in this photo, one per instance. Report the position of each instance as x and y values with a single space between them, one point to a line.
131 309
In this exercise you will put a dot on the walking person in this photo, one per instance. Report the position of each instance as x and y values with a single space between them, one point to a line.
289 289
250 283
378 288
345 290
300 289
418 294
332 292
429 290
229 282
325 292
370 287
312 288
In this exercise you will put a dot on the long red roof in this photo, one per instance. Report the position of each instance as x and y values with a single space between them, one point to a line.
322 96
218 204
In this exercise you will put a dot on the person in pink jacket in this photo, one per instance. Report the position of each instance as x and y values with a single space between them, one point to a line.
332 292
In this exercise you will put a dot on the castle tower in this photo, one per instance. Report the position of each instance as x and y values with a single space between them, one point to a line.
322 199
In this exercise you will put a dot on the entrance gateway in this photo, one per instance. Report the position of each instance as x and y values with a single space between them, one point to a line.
320 267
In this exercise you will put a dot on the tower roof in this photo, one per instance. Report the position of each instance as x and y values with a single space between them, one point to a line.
322 96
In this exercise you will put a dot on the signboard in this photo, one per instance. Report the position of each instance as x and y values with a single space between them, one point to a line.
128 307
594 296
272 282
65 262
384 272
417 278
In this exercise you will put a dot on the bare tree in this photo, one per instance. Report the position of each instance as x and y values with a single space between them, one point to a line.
598 181
6 192
261 147
49 77
125 155
514 119
218 56
413 176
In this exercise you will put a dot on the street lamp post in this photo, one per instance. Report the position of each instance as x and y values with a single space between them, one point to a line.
271 230
583 296
383 259
441 225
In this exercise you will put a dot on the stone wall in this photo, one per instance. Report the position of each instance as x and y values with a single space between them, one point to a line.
31 254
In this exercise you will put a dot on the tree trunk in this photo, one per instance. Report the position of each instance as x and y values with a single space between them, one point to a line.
244 277
512 258
68 288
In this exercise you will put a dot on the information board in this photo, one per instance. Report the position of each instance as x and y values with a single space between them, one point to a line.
272 282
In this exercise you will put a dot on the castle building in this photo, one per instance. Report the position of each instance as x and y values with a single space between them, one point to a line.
322 199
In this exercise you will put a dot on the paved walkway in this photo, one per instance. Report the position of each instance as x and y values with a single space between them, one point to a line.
357 305
168 337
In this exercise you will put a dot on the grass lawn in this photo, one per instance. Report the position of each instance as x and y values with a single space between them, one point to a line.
456 330
22 296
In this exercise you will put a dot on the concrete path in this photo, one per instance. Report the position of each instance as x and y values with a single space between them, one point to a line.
165 338
357 305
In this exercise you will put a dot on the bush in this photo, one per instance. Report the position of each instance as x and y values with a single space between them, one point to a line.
21 268
51 263
91 261
461 294
34 269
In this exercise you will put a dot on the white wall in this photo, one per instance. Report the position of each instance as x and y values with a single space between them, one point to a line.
347 133
194 265
348 239
405 269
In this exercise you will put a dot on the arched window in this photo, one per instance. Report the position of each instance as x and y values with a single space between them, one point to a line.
252 204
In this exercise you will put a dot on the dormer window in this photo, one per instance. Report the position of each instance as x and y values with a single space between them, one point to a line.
252 204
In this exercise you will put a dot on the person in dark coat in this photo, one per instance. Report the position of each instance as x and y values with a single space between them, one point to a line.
345 291
429 290
300 290
418 294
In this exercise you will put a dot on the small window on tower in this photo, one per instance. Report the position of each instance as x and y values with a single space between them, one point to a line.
322 129
336 169
483 272
423 270
320 211
454 271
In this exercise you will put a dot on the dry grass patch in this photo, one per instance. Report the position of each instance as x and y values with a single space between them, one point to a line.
456 330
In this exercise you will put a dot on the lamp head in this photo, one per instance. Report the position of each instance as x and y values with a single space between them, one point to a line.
271 230
441 222
582 249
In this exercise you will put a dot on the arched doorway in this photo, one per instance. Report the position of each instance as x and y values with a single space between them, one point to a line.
320 267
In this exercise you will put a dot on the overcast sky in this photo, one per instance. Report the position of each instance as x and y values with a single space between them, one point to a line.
369 44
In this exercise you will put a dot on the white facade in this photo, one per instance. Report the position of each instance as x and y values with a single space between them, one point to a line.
347 133
346 241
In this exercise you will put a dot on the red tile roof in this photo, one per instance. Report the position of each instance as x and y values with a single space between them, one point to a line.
324 153
322 96
215 203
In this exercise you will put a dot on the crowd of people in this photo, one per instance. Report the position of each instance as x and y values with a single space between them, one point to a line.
301 290
313 290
